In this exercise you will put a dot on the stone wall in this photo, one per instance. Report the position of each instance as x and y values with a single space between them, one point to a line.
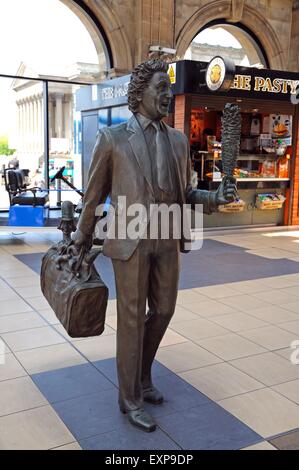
132 25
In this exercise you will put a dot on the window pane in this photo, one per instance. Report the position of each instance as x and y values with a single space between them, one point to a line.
21 131
65 142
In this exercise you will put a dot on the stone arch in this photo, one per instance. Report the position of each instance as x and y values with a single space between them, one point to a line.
112 42
251 19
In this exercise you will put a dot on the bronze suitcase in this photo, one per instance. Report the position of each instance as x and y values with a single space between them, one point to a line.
74 289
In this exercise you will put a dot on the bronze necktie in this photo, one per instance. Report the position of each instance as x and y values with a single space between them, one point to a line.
162 158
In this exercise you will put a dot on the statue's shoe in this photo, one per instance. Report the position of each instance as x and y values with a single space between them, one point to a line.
153 396
140 418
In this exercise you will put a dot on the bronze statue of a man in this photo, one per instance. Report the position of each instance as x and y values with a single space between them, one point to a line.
148 162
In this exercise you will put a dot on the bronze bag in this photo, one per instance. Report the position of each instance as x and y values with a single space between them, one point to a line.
74 289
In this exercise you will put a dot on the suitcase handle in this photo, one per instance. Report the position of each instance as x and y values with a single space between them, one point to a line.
75 260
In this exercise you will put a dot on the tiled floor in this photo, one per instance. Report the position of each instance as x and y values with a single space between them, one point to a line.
224 364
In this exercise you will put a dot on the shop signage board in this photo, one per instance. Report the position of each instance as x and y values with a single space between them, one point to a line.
103 95
194 77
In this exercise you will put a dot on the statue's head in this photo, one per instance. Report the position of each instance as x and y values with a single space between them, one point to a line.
149 90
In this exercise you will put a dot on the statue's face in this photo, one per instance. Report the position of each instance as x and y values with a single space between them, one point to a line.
155 99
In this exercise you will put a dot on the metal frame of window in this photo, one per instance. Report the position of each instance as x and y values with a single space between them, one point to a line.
45 82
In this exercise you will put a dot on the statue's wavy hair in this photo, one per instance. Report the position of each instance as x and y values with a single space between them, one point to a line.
140 78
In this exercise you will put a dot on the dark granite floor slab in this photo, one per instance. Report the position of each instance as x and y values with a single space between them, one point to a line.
70 382
208 427
129 438
87 402
108 368
289 441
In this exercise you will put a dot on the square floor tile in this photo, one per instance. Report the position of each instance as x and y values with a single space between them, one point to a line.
261 446
286 353
270 337
280 282
231 346
28 339
18 395
185 356
291 306
248 287
276 297
20 321
94 349
293 291
8 294
71 382
210 308
196 330
29 291
53 357
37 302
182 314
10 368
111 321
218 292
171 337
221 381
289 390
111 307
274 314
268 368
244 302
187 296
37 429
291 326
72 446
265 411
208 427
238 321
61 330
14 306
25 281
49 316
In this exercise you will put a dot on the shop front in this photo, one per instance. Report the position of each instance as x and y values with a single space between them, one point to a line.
268 165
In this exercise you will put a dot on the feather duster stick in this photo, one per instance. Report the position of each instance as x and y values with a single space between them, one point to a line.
231 134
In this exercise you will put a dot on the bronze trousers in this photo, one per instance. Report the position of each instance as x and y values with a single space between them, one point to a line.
151 274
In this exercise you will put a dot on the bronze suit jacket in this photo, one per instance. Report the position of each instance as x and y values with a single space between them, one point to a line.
121 167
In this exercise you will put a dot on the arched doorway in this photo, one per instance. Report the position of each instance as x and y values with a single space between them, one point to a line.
252 20
227 40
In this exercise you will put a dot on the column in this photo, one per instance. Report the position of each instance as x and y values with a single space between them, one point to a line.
51 119
40 125
58 115
30 125
68 134
26 128
22 145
